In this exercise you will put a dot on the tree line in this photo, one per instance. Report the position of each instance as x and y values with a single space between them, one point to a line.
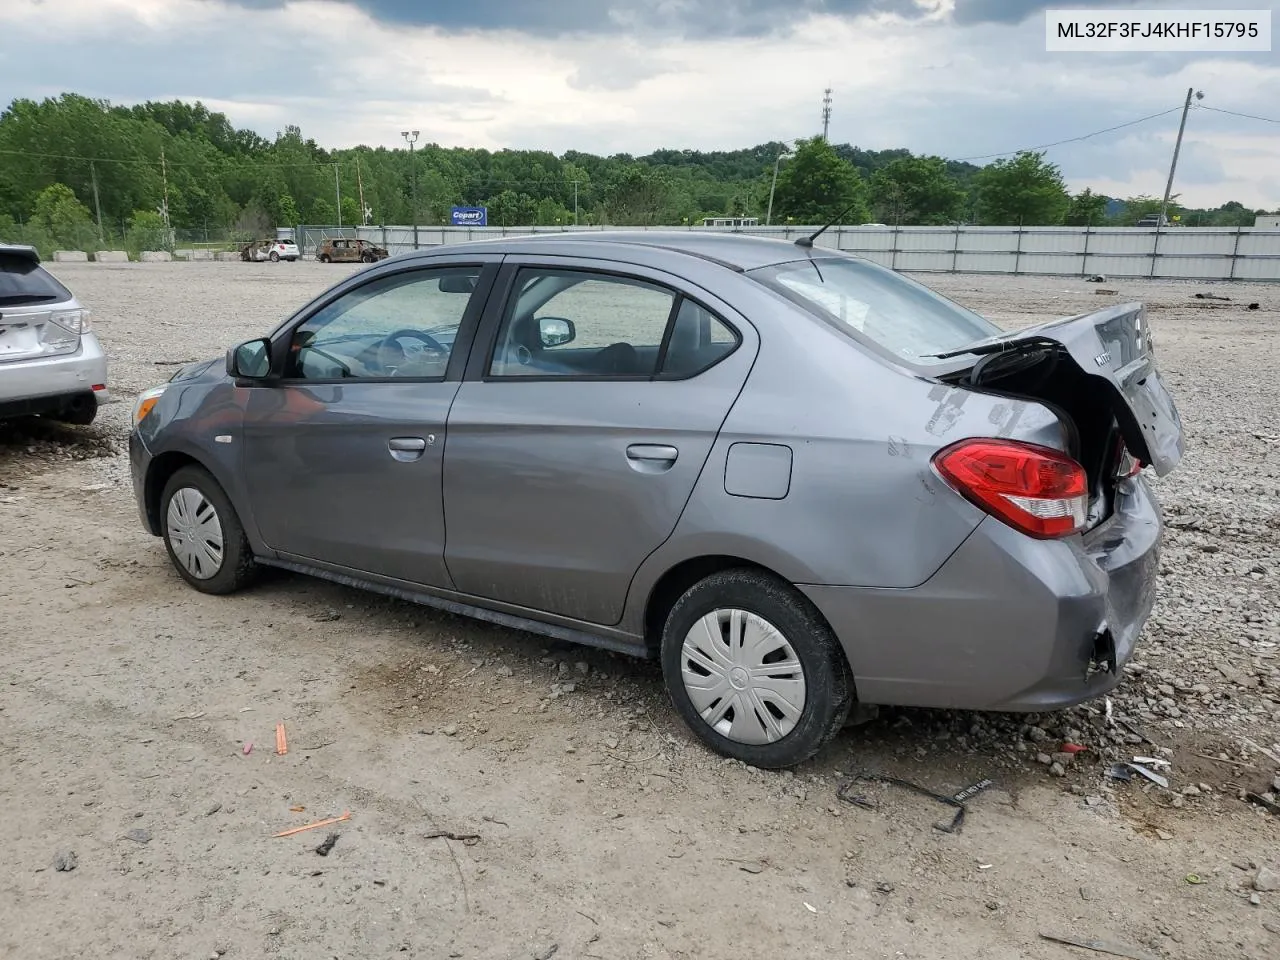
76 171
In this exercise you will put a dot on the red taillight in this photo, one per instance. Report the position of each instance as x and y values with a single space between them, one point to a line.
1037 490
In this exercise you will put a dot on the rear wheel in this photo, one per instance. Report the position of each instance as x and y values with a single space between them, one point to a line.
754 670
81 410
204 538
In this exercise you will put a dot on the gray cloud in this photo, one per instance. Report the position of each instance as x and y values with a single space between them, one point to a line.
697 19
618 71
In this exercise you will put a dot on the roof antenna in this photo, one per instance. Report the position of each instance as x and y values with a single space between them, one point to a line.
807 242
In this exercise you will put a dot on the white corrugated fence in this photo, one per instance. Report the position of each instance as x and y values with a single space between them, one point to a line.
1188 253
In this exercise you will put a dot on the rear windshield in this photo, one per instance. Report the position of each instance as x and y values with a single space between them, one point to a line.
23 281
871 302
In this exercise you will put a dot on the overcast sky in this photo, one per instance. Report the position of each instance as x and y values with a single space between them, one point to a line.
960 78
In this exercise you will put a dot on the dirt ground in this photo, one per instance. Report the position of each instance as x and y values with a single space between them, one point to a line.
591 823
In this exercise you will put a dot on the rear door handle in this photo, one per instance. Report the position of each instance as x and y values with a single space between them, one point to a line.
652 457
406 449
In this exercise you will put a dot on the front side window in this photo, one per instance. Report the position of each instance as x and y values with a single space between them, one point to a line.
396 327
567 323
898 314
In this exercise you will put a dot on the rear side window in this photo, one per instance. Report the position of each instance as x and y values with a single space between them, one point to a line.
699 339
568 323
866 300
23 281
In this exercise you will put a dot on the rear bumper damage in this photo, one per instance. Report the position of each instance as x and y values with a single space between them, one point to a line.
52 385
1008 623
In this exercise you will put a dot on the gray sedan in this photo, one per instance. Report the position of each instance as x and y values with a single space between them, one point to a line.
800 479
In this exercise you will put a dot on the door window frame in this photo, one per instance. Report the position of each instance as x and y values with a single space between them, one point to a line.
505 291
282 337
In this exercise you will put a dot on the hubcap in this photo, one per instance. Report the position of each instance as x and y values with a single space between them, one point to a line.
742 676
195 533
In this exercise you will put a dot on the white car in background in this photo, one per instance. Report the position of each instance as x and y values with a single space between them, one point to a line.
280 248
51 363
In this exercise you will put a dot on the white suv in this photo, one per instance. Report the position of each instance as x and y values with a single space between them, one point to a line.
50 362
281 248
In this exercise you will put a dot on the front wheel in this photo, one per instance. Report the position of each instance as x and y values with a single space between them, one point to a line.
323 258
368 258
754 670
275 257
203 536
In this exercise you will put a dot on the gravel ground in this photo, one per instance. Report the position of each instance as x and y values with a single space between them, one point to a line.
593 825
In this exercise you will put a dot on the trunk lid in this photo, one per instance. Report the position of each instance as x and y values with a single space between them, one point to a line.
36 334
1113 348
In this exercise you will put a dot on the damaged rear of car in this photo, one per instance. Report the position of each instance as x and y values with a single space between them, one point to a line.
1040 605
51 363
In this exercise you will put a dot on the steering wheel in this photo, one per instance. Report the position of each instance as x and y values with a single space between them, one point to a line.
385 352
389 341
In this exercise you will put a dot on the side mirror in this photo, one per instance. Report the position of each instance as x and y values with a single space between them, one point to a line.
250 361
553 331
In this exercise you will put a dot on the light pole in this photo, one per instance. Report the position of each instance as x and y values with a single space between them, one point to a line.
768 217
1168 188
411 137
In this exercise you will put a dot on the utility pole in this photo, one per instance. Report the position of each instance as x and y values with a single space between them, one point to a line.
411 137
1168 188
826 111
360 186
575 203
93 174
164 176
337 192
768 217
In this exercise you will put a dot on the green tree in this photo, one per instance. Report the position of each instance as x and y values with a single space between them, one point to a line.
552 212
1087 209
351 213
640 196
286 211
916 190
66 220
1135 208
1026 190
816 185
321 211
512 209
146 232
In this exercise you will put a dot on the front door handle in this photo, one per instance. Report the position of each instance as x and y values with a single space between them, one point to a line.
406 449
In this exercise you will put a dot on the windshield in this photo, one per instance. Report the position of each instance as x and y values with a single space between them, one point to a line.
864 299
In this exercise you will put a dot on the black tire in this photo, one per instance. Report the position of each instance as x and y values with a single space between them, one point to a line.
829 692
368 258
81 414
324 258
238 567
275 257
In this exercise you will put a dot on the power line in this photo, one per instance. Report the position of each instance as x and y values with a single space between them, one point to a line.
157 163
1247 116
1058 143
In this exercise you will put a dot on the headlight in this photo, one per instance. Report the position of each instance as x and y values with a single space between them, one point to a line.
146 400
